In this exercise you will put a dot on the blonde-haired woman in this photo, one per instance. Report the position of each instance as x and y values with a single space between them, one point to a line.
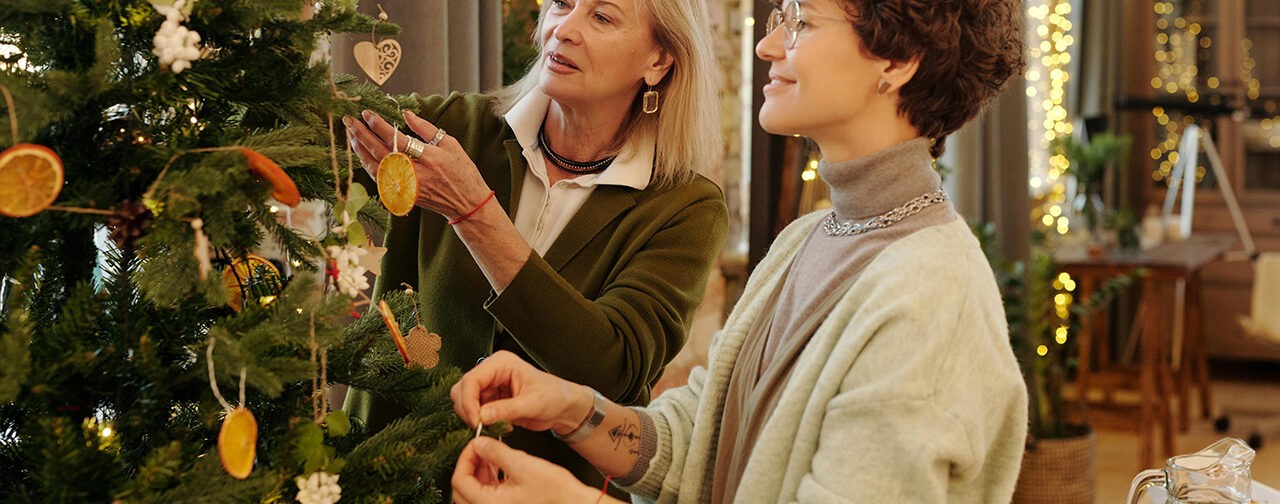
563 218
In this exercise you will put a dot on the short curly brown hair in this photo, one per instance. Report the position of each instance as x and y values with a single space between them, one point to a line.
968 49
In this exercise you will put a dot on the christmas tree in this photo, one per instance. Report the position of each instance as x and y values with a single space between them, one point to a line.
148 351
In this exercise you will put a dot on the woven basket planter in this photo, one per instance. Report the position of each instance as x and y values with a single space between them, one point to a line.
1059 471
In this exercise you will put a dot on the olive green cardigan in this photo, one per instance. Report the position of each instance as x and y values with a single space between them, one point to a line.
608 306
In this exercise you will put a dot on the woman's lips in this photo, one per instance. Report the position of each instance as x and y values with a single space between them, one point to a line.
777 81
561 64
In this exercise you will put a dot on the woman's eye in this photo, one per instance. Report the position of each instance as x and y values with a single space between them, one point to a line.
561 4
601 18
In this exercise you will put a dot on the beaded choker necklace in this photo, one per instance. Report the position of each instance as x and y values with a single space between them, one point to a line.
569 165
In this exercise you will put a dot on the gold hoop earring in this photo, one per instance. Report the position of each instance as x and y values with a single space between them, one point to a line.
884 87
650 101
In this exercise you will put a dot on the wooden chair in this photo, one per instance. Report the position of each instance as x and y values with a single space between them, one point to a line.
1262 323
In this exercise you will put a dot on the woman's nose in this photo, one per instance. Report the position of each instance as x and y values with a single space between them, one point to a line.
567 29
769 48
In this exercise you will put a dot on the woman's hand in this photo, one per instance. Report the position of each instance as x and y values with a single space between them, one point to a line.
448 184
448 181
503 388
525 478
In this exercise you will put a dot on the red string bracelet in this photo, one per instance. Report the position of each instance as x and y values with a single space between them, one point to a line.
604 490
473 210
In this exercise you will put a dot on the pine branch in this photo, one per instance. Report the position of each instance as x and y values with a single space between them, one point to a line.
24 9
127 348
207 482
15 352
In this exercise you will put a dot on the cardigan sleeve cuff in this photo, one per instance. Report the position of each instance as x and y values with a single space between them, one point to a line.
648 448
646 478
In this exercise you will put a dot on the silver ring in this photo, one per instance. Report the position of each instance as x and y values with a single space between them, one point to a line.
414 147
439 136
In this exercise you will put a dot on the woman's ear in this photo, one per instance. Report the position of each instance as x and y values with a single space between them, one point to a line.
659 68
898 73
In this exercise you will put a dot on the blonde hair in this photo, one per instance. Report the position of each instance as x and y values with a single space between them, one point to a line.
687 124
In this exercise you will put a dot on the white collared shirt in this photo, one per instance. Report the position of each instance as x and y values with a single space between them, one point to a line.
544 209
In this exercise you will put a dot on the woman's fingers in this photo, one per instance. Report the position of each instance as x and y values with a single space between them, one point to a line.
497 454
384 131
466 400
513 410
466 483
427 131
486 394
366 145
367 159
478 468
528 478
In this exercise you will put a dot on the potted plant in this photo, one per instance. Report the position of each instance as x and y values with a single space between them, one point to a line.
1059 465
1087 162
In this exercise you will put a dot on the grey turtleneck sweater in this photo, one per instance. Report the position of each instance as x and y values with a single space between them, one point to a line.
861 189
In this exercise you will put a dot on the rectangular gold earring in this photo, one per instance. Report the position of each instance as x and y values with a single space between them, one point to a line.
650 101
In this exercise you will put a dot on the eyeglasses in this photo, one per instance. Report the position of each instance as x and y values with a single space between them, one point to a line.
791 17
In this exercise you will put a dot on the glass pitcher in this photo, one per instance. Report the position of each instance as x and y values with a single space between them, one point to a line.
1217 474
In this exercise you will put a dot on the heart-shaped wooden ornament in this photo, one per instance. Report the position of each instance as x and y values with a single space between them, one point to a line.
378 61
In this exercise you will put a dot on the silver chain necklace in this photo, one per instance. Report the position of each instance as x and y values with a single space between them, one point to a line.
884 220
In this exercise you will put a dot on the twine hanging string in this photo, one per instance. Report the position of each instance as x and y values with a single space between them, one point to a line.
316 412
319 381
373 30
213 378
13 131
154 185
80 210
13 113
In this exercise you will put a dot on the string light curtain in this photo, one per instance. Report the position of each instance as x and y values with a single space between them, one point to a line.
1048 72
1050 64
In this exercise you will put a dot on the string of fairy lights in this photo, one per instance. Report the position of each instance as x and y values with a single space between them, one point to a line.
1182 46
1047 76
1183 49
1048 72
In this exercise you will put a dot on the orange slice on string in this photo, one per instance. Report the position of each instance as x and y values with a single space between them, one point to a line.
397 183
282 187
238 442
31 177
396 335
251 274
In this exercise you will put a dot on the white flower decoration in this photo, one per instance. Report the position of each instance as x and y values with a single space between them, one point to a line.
350 276
175 45
318 488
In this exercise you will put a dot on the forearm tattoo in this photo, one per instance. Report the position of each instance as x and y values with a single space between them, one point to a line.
626 435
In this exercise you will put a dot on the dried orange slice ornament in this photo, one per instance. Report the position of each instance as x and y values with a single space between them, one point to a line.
253 274
238 442
31 177
282 187
390 320
397 183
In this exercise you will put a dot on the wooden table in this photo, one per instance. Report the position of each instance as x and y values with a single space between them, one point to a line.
1166 266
